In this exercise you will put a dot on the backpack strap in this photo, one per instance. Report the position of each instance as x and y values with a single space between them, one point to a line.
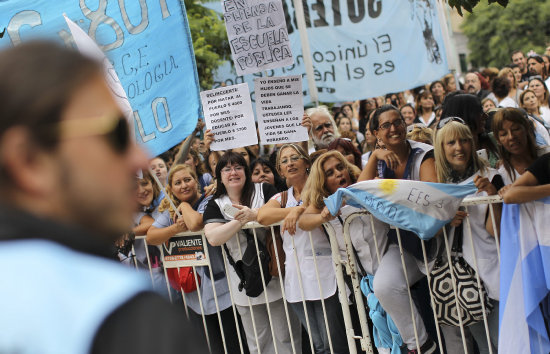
284 198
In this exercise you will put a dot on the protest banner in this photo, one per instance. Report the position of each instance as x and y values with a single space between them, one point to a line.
279 109
257 34
184 251
158 77
228 113
360 49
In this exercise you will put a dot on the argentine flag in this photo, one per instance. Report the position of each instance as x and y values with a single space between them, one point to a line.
421 207
524 277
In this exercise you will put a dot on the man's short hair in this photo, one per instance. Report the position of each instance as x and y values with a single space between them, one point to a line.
516 52
37 80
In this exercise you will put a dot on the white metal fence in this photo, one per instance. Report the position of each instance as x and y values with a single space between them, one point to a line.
345 266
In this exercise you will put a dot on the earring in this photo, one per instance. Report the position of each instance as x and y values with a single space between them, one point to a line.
307 170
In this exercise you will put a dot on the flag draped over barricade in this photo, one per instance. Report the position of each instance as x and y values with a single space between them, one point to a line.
421 207
148 44
524 278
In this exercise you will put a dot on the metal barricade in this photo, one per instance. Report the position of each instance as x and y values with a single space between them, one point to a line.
343 266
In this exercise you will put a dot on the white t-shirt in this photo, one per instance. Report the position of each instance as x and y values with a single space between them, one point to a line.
507 102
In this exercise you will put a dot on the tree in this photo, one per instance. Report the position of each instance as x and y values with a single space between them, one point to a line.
209 40
493 33
468 5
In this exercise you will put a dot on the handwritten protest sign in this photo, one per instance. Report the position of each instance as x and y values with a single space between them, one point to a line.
257 35
184 251
158 77
279 109
228 112
360 49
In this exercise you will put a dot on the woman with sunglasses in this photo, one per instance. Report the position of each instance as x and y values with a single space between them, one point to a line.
538 86
235 189
329 172
294 164
183 190
468 108
402 159
458 163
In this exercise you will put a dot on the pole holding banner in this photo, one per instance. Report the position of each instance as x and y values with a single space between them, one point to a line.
306 51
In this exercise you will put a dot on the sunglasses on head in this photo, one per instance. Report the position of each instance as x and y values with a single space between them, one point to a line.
115 129
447 120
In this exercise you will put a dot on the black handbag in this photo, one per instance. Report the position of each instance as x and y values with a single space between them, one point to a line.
248 268
468 292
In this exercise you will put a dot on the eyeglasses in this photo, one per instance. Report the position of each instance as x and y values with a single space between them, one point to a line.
293 158
326 125
444 121
396 124
227 170
114 128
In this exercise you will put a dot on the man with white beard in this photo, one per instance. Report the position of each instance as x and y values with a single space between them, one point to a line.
323 129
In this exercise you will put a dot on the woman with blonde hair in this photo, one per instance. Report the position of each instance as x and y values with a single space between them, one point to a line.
183 190
458 163
328 173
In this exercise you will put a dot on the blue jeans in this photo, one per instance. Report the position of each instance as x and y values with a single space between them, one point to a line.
317 324
478 331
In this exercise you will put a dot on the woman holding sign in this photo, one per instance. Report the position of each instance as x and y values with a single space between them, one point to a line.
183 189
234 204
457 162
401 159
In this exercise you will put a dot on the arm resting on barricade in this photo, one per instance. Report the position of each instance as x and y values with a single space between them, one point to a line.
313 218
156 236
191 217
526 189
144 225
218 233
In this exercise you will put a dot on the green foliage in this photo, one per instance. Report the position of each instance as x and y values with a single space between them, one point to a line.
468 5
209 40
493 33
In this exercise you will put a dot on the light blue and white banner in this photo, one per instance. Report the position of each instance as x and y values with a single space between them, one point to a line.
524 277
362 48
148 43
421 207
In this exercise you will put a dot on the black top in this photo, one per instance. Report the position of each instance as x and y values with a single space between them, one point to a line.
144 324
213 212
541 169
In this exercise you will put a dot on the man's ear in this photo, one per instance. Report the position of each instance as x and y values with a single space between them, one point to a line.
30 168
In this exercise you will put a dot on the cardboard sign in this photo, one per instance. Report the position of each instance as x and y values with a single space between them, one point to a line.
257 34
228 112
185 251
279 108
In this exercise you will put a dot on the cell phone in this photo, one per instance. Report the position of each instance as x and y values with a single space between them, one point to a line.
483 154
230 210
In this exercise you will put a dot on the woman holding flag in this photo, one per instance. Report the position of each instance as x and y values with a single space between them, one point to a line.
457 162
329 172
402 159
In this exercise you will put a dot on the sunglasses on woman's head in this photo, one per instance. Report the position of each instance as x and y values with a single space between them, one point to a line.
447 120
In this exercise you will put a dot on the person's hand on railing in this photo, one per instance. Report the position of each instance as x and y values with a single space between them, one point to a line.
503 190
290 221
459 217
245 214
180 224
484 185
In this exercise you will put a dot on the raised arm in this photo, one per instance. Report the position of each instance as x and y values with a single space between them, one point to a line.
158 235
186 144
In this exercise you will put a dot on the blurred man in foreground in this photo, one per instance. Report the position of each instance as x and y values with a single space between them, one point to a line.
67 169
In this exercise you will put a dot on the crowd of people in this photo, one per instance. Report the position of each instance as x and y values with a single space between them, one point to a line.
489 128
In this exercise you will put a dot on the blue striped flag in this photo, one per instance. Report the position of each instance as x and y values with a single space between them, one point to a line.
421 207
524 277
